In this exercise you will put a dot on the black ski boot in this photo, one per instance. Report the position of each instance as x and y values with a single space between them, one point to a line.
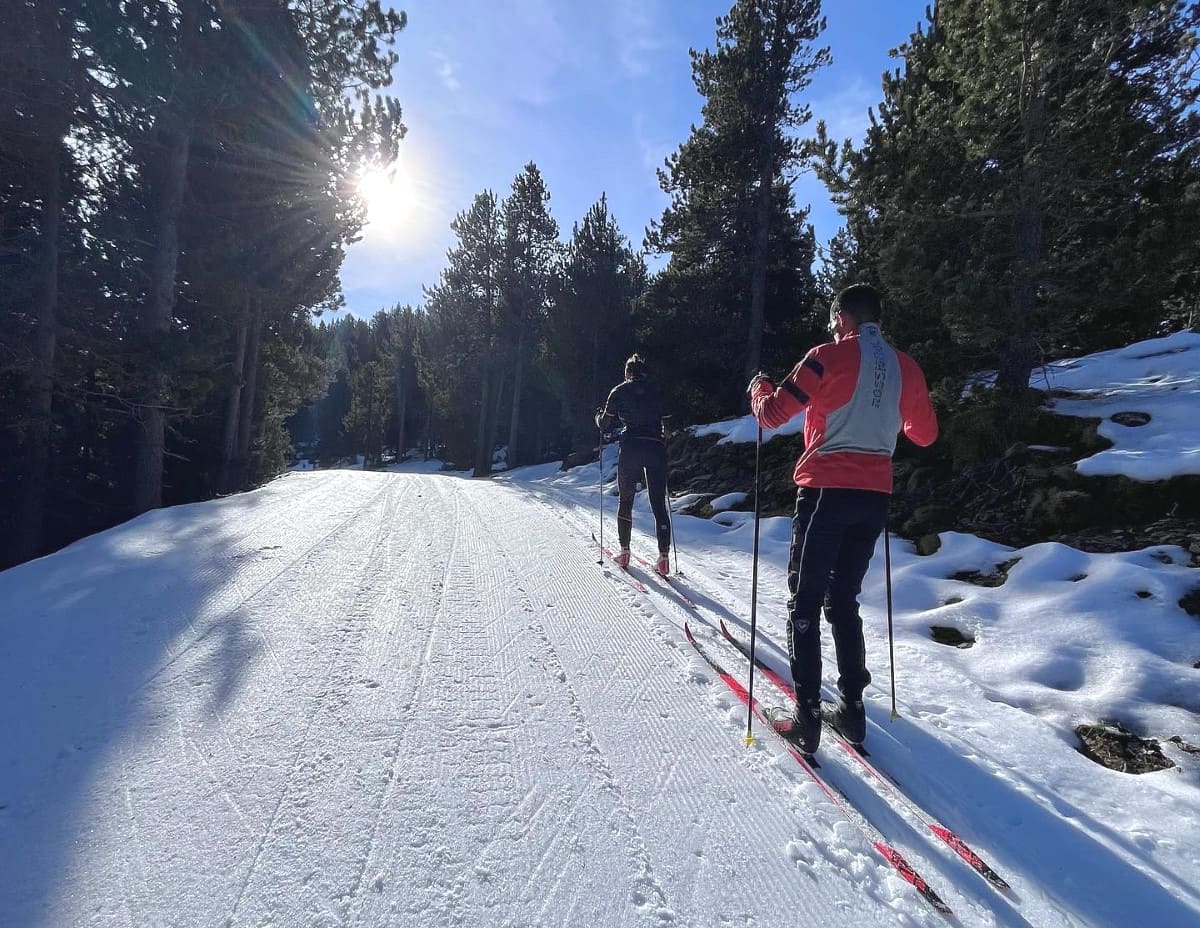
849 717
801 727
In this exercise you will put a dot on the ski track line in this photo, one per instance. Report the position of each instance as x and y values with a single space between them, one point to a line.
972 901
213 778
659 617
649 894
129 862
132 810
217 566
490 649
354 895
337 655
221 578
377 583
499 635
913 841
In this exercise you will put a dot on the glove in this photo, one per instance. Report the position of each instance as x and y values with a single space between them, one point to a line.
760 385
600 417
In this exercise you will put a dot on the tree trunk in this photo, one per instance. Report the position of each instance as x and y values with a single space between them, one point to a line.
174 135
31 509
428 427
1020 353
156 318
401 408
249 397
32 515
233 406
515 421
494 415
369 428
483 454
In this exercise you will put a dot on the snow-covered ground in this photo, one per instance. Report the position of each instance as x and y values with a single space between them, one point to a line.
411 698
1157 380
415 699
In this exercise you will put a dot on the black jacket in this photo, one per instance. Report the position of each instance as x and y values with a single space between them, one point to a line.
638 405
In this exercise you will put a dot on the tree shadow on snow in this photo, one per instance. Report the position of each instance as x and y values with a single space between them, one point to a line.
88 636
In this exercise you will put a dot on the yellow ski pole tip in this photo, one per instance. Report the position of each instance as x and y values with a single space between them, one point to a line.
748 740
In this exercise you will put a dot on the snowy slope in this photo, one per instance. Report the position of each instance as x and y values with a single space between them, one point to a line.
415 699
1158 381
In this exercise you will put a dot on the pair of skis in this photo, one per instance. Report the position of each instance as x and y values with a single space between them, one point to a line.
668 580
885 783
809 764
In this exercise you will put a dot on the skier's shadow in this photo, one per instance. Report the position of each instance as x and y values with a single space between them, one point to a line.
1116 892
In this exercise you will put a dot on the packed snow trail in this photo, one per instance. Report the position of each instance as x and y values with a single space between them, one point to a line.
391 700
362 699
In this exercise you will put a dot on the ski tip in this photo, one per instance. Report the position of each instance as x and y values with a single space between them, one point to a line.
905 869
977 863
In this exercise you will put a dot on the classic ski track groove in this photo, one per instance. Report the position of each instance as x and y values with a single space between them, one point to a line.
363 581
671 611
652 893
418 682
916 830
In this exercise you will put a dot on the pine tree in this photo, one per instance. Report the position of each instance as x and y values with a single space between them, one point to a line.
592 324
531 252
728 182
1022 187
462 368
400 333
159 337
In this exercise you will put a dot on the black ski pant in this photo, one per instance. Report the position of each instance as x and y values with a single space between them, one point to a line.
833 537
643 459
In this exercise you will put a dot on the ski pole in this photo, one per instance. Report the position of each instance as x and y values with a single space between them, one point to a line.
887 569
671 522
600 432
667 493
754 587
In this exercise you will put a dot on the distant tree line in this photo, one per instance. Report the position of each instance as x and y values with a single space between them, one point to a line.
170 219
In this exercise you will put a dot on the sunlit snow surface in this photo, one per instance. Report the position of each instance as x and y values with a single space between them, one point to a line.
745 428
1160 378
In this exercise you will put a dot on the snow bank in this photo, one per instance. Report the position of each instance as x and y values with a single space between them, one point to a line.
1159 378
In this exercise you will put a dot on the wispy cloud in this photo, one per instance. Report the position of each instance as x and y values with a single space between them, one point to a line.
845 110
638 36
447 70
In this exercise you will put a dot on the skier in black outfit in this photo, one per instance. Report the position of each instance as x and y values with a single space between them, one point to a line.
638 406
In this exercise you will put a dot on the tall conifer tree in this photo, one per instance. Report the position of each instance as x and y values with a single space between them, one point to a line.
1021 191
728 182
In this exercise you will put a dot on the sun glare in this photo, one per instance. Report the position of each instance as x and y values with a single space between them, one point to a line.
389 196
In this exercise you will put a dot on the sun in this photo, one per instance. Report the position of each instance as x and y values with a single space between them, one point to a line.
389 195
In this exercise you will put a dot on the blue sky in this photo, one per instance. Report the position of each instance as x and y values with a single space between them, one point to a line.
597 94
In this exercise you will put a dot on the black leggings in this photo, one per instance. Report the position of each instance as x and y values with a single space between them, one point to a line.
643 457
833 537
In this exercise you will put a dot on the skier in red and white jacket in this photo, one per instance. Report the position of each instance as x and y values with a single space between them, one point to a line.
858 393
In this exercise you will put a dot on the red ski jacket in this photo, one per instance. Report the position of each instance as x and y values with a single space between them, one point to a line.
858 394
